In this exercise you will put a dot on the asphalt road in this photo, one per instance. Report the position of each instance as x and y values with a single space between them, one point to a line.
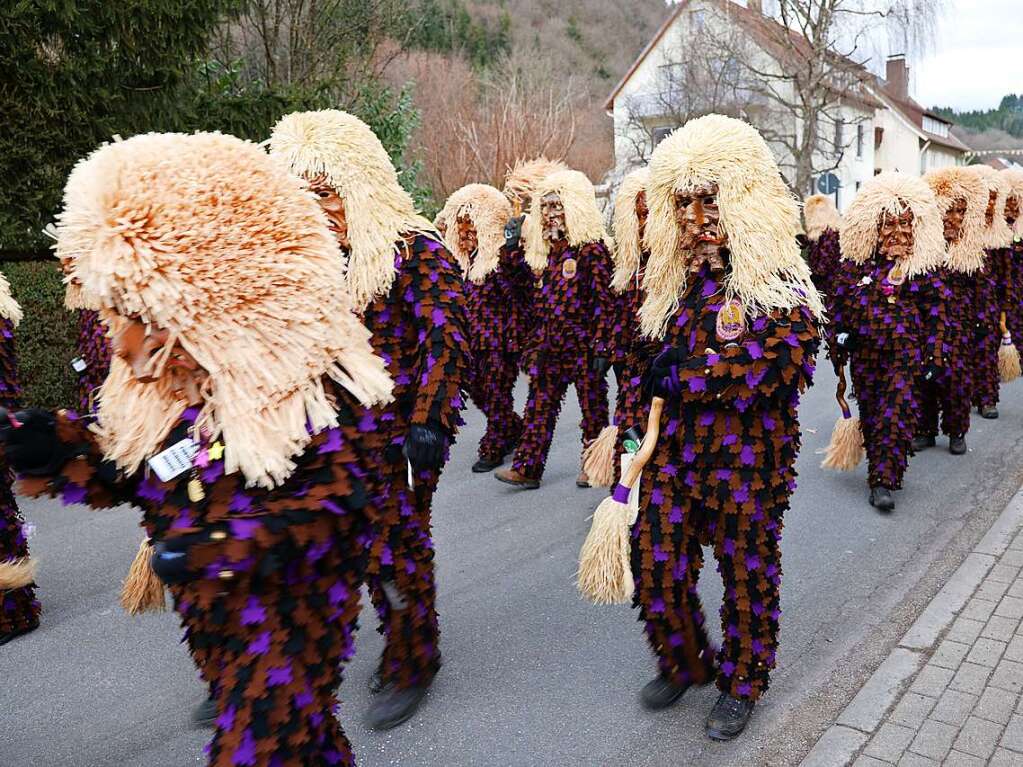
533 675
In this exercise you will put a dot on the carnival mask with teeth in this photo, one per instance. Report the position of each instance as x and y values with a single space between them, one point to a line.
699 218
953 220
467 238
552 210
334 207
895 235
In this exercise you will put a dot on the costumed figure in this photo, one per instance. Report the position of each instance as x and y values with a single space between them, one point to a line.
945 401
408 290
19 609
822 250
888 318
570 343
498 293
233 416
1012 255
731 313
93 361
993 293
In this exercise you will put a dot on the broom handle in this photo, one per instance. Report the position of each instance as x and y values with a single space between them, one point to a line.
646 450
1001 323
840 393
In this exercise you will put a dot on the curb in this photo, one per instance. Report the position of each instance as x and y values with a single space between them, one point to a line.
864 713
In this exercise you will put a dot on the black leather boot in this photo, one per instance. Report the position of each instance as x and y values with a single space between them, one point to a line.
729 716
394 706
483 465
660 693
957 445
989 412
881 498
922 443
5 638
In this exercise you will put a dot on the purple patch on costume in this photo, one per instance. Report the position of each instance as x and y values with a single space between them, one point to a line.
278 675
697 384
73 493
149 488
260 645
254 613
213 472
728 668
747 456
240 502
332 443
657 606
675 515
226 720
659 554
244 529
245 754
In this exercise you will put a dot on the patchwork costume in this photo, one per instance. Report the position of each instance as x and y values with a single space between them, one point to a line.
408 291
259 520
1011 256
574 320
731 347
498 302
891 312
823 252
19 609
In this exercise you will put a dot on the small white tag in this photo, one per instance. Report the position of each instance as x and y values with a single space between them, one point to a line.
411 484
174 461
634 492
79 365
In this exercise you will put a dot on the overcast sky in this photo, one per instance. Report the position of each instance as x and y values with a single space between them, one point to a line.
977 58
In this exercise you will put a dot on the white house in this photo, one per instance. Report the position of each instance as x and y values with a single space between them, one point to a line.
876 125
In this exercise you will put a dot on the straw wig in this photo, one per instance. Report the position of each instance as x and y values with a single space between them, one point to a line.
998 234
209 238
379 212
950 184
628 247
758 214
9 308
522 180
892 193
820 214
489 211
1014 179
583 218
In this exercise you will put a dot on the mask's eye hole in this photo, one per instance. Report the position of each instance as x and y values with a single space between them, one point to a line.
709 200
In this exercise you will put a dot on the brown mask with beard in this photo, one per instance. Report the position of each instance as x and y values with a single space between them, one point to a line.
989 212
699 221
895 235
334 207
552 210
467 239
954 220
145 351
1012 210
642 211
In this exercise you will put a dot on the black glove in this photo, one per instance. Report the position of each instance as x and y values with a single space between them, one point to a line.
30 442
661 379
513 232
931 372
845 340
600 365
424 446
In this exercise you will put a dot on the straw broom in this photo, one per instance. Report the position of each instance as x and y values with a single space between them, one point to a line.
845 450
599 456
605 573
16 573
142 591
1008 356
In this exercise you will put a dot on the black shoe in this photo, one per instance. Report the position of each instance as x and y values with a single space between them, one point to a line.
396 705
957 445
660 693
482 466
5 638
205 714
729 716
881 498
922 443
990 412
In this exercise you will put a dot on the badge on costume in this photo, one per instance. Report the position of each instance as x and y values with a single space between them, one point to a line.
174 461
79 365
731 321
896 275
569 267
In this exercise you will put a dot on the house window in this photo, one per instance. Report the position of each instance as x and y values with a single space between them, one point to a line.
697 19
839 135
937 127
658 135
859 141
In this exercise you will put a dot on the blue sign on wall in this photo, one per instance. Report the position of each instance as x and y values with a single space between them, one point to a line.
827 183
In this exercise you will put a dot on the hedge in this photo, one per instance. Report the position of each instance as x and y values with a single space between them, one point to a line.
46 336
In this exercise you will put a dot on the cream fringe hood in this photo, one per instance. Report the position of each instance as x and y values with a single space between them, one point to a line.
583 218
628 248
379 212
949 184
209 238
489 211
758 213
820 214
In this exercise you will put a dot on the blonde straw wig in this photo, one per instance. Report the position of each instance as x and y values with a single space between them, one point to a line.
521 180
9 308
893 193
949 184
758 214
489 211
583 218
1014 180
998 234
820 214
210 239
628 248
342 148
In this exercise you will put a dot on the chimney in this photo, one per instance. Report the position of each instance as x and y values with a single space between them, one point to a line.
756 5
897 75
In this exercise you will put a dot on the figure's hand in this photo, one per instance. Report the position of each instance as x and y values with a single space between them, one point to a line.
513 232
845 340
424 446
661 379
30 441
600 365
932 371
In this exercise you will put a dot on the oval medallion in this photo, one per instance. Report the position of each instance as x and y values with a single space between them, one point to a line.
569 268
896 275
731 321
